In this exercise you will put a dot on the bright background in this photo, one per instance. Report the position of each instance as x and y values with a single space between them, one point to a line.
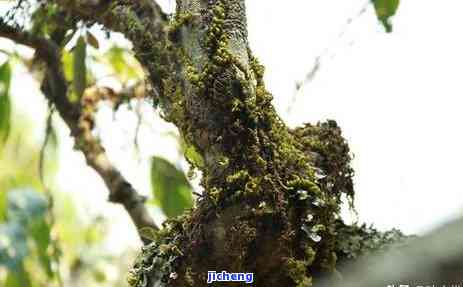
397 97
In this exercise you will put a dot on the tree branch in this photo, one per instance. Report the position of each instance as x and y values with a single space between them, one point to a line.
435 259
79 122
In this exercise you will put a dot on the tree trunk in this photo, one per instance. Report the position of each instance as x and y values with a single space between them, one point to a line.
271 195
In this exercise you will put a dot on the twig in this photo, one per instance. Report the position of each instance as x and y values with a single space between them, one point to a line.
318 60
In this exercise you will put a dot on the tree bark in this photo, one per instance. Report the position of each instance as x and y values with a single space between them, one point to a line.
272 195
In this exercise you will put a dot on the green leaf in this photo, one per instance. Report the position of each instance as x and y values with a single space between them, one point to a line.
3 206
385 9
79 68
40 233
99 275
18 278
170 187
68 65
123 64
5 102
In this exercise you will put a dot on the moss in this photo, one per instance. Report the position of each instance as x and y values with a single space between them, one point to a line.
268 190
241 175
179 20
310 254
189 275
330 154
193 157
296 270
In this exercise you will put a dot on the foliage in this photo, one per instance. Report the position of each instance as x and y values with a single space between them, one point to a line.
34 249
25 215
385 9
80 71
121 64
5 103
171 189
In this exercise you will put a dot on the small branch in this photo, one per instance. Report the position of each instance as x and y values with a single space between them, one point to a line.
55 89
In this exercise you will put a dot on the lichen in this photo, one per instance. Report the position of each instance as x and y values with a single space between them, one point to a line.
158 260
354 241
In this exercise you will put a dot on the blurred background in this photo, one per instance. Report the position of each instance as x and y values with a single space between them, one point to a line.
396 96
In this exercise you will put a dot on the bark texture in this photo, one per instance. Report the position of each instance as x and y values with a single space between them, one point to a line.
272 195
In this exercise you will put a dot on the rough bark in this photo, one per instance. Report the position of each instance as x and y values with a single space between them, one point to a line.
268 208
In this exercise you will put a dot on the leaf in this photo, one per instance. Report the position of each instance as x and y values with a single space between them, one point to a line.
123 64
79 68
19 278
25 212
68 65
3 206
385 9
170 187
5 102
99 275
92 40
40 232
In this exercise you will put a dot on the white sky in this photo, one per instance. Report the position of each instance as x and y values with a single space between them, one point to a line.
396 97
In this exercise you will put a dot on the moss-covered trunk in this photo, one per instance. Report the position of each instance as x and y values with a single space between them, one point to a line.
271 195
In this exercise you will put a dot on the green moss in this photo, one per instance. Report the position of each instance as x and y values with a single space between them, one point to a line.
310 254
296 270
241 175
189 275
193 156
179 20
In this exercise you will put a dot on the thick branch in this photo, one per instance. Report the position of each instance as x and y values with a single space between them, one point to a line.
434 259
77 119
142 22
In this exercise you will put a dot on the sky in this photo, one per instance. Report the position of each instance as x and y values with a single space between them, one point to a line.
396 97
